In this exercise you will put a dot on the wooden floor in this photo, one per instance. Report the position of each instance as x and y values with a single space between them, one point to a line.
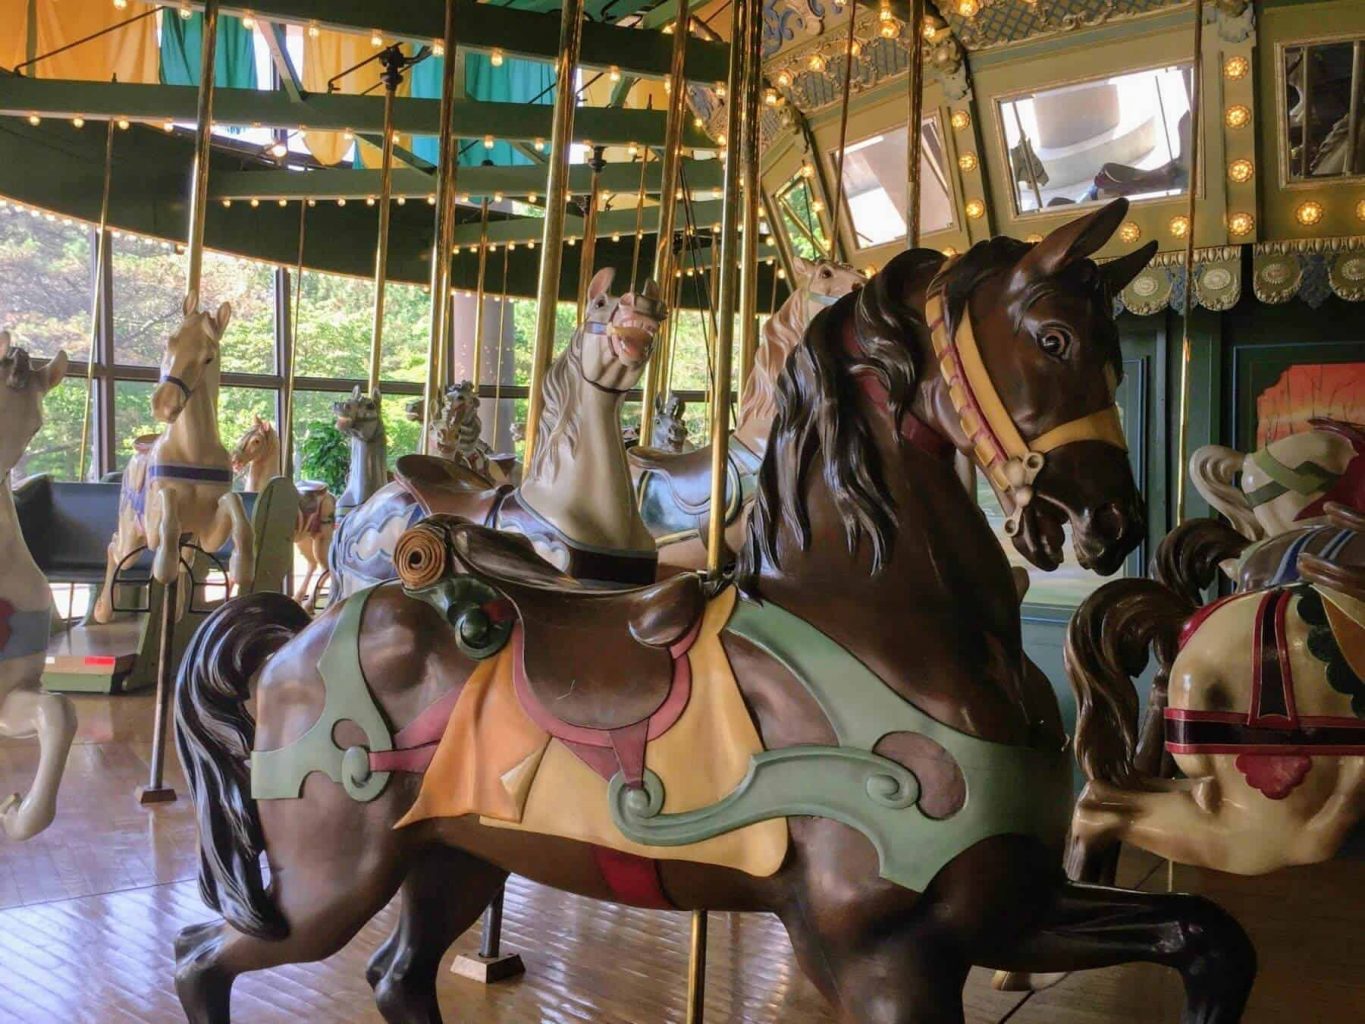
88 911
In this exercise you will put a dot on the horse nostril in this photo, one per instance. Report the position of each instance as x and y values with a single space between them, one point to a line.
1109 521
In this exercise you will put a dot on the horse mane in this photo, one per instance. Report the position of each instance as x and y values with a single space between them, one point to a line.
818 409
559 411
780 335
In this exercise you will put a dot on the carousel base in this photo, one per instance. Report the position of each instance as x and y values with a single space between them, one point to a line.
96 659
90 908
488 970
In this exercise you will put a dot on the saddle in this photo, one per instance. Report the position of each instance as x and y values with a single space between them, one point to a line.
594 658
686 475
682 502
441 485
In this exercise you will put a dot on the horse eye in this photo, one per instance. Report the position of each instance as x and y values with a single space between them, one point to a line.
1054 342
826 272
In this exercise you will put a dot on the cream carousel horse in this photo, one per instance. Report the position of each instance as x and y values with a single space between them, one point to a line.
1265 719
258 456
179 485
674 490
360 417
1276 488
26 605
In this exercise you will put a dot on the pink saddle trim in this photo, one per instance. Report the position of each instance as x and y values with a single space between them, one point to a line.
415 743
405 759
632 879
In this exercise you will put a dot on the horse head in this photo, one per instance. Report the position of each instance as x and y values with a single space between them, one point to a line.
618 334
359 415
257 443
1026 336
191 356
457 419
822 282
22 388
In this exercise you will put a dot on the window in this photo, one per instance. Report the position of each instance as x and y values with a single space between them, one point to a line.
46 271
875 182
799 209
1319 94
55 449
1089 141
132 418
336 315
149 296
249 287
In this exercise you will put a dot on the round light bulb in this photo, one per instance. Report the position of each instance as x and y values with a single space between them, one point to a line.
1309 213
975 208
967 161
1180 226
1240 171
1128 232
1240 224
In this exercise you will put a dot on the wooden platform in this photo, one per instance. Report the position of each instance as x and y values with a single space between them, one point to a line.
94 658
89 909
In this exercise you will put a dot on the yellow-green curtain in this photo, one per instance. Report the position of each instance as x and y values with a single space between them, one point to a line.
130 53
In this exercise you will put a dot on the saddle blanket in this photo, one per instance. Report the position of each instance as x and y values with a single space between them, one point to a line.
494 761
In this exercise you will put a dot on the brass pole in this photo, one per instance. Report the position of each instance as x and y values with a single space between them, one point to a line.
590 229
479 297
438 346
291 371
1183 430
753 196
392 77
916 127
696 980
96 296
639 222
203 139
502 322
1026 150
556 194
668 190
835 243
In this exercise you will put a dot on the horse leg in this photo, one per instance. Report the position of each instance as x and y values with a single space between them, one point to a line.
125 538
242 563
303 544
163 536
1087 927
326 902
26 711
442 896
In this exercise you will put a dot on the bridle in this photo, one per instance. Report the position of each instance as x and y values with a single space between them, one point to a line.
1011 462
170 378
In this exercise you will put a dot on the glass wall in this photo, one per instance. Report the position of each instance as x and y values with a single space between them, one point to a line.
875 180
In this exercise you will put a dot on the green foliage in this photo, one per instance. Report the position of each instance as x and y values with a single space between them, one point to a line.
325 454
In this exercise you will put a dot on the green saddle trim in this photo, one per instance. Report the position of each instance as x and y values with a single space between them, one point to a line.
1010 790
279 774
1305 478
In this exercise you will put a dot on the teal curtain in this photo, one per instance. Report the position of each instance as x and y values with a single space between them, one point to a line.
181 41
517 81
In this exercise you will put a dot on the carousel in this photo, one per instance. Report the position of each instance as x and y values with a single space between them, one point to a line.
647 510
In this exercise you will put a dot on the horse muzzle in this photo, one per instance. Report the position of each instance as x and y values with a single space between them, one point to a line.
168 400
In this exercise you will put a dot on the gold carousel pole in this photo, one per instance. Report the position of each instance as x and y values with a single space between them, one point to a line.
1183 428
203 138
668 192
438 346
556 194
916 86
291 370
480 297
589 255
392 59
753 196
96 298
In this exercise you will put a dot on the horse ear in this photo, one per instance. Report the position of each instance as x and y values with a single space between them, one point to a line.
355 391
802 269
1070 242
601 282
191 302
5 342
375 396
221 320
52 374
1118 273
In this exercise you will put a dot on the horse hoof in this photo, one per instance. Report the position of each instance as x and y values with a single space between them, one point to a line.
1024 981
20 823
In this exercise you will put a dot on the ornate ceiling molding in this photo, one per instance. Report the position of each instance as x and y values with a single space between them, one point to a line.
1311 268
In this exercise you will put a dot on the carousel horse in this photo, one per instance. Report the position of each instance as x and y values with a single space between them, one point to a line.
360 417
1276 488
674 490
574 498
1265 719
848 734
258 456
179 485
670 429
456 433
26 605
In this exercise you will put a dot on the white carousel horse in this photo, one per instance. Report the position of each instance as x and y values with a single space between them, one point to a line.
26 605
456 433
258 455
1278 487
179 485
360 417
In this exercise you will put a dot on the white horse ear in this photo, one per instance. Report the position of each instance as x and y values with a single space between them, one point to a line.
191 302
222 319
5 342
375 396
802 269
601 282
355 391
51 375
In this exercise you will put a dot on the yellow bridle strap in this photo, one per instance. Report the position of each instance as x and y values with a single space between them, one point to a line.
1104 425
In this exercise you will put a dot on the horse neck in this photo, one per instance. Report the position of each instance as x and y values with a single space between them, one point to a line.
267 467
758 404
193 437
369 465
21 571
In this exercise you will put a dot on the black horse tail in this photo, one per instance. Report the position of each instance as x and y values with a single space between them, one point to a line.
1187 559
214 734
1107 644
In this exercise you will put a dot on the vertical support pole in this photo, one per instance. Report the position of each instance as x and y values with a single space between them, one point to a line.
392 59
290 350
203 138
480 298
1183 425
589 254
753 198
156 791
696 979
438 346
668 191
916 126
489 964
556 194
1353 109
96 294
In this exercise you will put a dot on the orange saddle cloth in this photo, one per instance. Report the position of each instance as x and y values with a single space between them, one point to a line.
493 760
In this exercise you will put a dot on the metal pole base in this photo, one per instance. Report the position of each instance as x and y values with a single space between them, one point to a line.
487 970
155 795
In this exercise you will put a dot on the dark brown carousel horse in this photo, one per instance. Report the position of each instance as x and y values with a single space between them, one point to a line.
864 543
